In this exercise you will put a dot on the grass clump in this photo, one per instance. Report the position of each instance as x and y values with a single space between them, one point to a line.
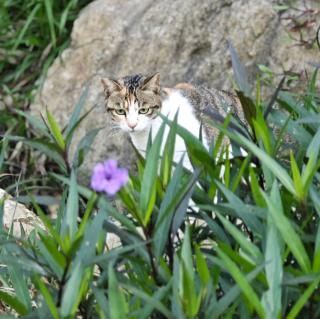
32 34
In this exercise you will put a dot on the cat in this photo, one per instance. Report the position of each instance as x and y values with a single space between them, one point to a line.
134 103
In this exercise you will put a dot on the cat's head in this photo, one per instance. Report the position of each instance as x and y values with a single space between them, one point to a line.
133 102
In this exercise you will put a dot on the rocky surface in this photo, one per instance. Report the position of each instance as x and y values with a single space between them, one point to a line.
184 40
17 215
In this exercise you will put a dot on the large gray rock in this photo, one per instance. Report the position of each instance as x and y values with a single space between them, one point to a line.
184 40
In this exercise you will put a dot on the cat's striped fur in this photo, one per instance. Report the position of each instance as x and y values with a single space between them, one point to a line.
135 101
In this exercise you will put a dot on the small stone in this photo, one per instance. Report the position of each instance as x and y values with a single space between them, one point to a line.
2 106
8 100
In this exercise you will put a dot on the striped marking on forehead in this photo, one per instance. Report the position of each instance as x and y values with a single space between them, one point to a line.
133 82
130 100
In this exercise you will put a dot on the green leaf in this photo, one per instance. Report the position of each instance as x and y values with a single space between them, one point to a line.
72 209
117 302
86 215
241 210
84 146
262 132
52 247
149 300
239 72
197 152
51 22
181 210
102 301
148 186
65 15
26 26
277 170
216 229
202 267
190 301
297 307
243 283
102 203
48 149
14 303
297 180
168 153
2 200
19 284
48 225
186 254
161 233
75 115
47 297
51 254
313 163
255 189
248 106
159 294
265 69
285 229
54 128
241 239
216 309
271 299
71 290
180 196
176 305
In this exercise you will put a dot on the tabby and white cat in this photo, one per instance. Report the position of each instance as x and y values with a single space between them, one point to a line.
134 103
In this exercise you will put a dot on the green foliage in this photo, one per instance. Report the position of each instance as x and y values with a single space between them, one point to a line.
32 34
247 245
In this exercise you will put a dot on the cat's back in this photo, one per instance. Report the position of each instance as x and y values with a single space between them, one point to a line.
219 102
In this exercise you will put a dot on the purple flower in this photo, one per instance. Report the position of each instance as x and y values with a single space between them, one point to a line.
108 178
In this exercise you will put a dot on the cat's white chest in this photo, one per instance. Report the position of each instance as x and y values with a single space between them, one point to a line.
176 102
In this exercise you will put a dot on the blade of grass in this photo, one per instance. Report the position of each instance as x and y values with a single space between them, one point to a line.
242 281
48 5
55 130
303 299
117 302
72 209
14 303
268 161
150 300
241 239
148 186
47 297
26 26
287 232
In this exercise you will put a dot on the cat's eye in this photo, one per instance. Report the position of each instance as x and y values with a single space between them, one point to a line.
143 110
120 111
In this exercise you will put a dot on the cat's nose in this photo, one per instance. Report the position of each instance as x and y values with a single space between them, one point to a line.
132 125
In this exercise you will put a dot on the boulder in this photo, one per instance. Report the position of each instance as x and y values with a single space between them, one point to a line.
184 40
17 216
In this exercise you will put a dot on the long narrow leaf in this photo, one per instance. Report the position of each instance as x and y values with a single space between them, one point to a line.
286 230
242 282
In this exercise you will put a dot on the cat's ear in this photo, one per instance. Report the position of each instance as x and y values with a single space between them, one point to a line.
152 83
110 86
167 91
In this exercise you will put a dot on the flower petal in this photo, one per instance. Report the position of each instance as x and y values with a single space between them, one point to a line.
110 166
112 186
122 175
